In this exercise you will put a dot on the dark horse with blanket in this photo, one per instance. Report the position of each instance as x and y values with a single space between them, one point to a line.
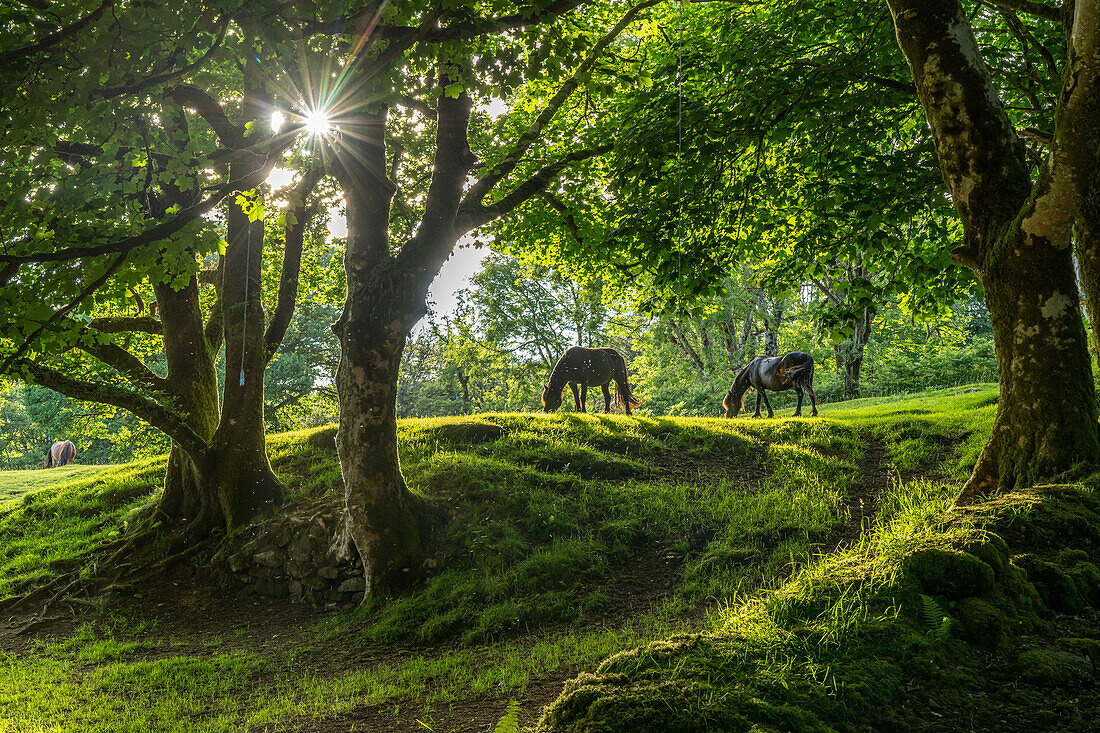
589 368
776 373
60 453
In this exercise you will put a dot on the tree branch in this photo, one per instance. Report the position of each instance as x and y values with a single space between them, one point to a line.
54 38
471 217
164 229
298 214
486 183
207 107
127 324
1030 7
64 311
222 24
465 28
1075 153
157 415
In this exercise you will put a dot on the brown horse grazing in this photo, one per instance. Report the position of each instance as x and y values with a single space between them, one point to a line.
776 373
589 368
60 453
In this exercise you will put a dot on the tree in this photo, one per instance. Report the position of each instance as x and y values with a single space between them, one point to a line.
402 224
125 163
1017 232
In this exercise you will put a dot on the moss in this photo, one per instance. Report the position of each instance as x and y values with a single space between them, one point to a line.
980 622
1086 578
950 573
1085 647
616 703
1052 667
991 550
1056 589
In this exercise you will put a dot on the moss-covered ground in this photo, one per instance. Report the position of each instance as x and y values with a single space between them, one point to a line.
668 573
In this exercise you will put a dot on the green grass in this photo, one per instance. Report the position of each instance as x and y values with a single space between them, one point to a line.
14 484
544 522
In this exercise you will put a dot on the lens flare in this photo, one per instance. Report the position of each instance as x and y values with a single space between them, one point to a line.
317 123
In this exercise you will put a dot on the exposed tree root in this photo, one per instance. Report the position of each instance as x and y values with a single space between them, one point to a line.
121 566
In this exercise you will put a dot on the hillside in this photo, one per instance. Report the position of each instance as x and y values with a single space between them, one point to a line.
697 573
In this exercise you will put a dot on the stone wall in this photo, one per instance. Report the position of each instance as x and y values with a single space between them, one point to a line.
294 557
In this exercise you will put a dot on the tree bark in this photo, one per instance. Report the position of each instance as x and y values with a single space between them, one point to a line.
1017 236
1088 258
382 517
849 354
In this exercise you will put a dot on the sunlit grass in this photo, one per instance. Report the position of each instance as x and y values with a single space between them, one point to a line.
544 517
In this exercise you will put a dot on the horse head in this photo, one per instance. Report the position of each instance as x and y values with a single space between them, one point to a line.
734 401
551 400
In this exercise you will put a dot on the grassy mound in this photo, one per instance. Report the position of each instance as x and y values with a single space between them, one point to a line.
568 540
976 619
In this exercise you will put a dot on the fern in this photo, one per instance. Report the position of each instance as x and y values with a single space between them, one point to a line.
510 722
936 622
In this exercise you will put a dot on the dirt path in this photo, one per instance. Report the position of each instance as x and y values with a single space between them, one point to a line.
874 477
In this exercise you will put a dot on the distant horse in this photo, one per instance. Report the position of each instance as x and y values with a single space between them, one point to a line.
777 373
60 453
589 368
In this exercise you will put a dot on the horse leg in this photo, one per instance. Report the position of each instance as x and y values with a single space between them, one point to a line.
584 396
813 398
607 397
798 407
765 396
576 397
759 394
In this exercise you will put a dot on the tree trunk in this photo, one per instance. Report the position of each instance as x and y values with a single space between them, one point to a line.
192 377
241 476
381 517
1046 416
849 354
1017 236
1088 257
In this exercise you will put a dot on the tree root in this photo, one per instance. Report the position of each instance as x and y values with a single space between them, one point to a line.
86 587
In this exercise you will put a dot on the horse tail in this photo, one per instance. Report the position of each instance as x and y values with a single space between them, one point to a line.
48 463
802 374
68 453
624 395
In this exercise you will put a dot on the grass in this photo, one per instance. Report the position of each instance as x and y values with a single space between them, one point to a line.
556 523
14 484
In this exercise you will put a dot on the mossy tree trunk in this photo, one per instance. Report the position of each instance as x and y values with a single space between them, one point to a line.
850 352
386 296
1088 257
1017 236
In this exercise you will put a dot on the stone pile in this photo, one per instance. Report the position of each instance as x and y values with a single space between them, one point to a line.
295 557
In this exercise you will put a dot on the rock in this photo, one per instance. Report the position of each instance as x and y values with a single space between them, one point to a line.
259 571
1055 587
981 622
991 550
315 583
300 548
283 534
353 585
950 573
297 570
1052 667
295 588
270 558
328 572
272 588
239 561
